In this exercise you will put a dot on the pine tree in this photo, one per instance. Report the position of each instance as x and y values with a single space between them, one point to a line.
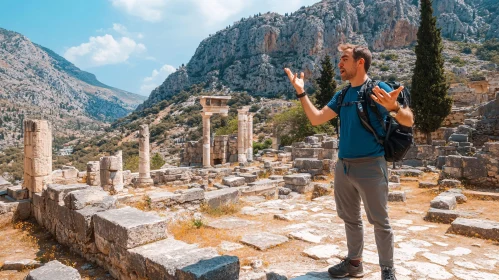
429 99
327 85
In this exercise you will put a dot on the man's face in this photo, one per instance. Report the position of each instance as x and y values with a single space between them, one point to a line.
347 65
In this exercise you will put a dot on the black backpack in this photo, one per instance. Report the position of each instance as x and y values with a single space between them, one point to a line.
399 138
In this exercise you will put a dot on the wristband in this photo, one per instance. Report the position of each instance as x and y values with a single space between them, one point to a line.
301 95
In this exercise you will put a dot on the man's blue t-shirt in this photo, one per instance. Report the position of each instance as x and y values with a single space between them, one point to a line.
355 140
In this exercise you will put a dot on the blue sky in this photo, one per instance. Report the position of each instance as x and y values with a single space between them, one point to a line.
130 44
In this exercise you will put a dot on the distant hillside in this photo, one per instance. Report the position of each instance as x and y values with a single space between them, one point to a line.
37 82
250 54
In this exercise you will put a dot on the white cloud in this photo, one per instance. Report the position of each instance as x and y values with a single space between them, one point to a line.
103 50
216 11
157 78
120 28
148 10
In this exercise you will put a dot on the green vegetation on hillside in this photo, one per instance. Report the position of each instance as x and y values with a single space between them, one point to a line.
489 50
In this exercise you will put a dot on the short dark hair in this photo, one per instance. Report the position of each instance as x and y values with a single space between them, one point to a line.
358 52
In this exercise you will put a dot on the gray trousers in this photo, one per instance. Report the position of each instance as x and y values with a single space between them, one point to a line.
366 179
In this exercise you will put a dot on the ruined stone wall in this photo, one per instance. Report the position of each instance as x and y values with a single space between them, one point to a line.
223 150
220 150
192 154
481 170
318 146
86 219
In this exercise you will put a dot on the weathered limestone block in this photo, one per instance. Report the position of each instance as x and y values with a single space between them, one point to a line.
127 227
20 265
77 200
426 185
457 193
476 228
17 193
474 168
308 164
221 267
394 179
261 187
455 172
446 216
58 192
168 259
215 199
450 183
454 161
444 202
458 137
306 152
300 179
234 181
54 270
397 196
249 178
425 152
83 223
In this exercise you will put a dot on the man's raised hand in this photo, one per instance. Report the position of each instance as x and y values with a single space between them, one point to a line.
386 99
297 82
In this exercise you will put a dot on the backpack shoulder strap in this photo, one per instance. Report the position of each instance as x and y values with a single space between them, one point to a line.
339 101
362 108
372 103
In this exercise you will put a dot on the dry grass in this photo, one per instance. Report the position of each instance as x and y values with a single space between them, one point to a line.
191 232
144 204
226 209
27 240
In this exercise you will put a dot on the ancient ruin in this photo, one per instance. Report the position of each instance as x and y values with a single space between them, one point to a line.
144 179
130 224
37 155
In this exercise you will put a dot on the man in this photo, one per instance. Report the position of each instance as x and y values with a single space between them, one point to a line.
361 170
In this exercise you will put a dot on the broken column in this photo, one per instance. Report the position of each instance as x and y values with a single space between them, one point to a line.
93 173
250 136
37 155
242 127
206 139
111 172
144 179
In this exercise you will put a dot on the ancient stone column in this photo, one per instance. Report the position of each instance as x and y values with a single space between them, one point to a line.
93 173
242 127
144 179
111 172
206 139
250 136
37 155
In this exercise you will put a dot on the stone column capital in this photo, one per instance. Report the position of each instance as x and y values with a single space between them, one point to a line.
206 114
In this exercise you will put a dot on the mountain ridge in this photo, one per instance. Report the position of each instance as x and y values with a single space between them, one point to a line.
37 82
250 54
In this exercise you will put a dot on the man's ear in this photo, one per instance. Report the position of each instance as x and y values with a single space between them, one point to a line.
362 62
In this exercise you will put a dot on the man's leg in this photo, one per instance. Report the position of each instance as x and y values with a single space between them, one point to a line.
371 178
348 207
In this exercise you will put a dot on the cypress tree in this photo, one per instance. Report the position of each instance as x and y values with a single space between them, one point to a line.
327 85
429 99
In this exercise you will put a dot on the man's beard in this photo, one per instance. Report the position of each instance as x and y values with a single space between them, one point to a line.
348 76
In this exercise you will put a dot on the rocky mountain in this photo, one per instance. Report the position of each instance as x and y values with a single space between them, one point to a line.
250 55
36 82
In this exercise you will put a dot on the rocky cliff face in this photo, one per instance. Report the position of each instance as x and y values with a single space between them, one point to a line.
251 54
36 82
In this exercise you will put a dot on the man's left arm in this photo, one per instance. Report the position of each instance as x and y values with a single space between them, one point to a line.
389 101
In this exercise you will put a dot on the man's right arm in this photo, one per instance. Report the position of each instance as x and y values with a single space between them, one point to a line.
315 116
